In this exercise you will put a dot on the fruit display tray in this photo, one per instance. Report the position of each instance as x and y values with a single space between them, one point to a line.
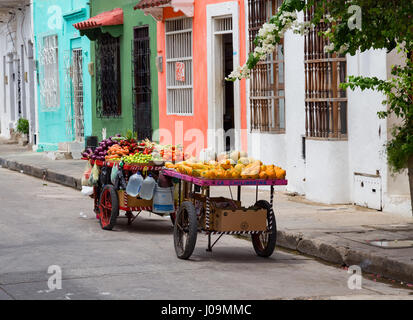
224 182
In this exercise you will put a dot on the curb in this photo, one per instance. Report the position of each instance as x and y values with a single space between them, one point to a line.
344 256
40 173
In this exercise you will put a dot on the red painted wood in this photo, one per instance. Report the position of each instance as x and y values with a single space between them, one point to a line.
108 18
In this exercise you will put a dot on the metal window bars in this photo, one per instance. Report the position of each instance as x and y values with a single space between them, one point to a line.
267 100
179 66
325 102
74 94
49 73
108 79
141 79
77 81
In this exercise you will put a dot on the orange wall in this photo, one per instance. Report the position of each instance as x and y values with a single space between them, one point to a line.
199 120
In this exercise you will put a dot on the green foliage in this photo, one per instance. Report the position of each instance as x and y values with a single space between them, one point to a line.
400 148
23 126
130 135
385 23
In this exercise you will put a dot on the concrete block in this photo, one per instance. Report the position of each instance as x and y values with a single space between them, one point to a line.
288 240
382 265
322 250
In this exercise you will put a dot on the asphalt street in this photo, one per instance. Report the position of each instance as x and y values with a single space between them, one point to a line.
44 224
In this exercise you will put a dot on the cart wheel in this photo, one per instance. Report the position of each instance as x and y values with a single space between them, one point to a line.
185 230
109 207
264 243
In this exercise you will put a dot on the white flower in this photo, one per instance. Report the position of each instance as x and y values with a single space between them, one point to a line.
343 48
267 35
329 48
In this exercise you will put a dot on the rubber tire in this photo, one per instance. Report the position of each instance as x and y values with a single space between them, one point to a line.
189 246
115 206
256 242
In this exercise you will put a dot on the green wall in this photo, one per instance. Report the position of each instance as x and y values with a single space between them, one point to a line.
132 19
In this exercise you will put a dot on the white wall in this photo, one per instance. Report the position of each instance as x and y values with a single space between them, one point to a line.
366 132
294 110
327 171
396 191
16 35
7 85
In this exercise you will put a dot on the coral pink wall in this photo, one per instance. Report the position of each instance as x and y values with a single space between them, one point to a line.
199 120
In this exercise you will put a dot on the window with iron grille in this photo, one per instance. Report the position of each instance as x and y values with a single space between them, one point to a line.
325 102
179 73
267 95
49 84
108 81
141 79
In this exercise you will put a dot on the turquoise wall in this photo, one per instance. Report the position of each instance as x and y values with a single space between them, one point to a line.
56 17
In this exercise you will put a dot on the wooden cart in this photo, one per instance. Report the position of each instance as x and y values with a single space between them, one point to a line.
198 212
109 201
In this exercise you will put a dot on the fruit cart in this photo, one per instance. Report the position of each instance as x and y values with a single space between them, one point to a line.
199 212
110 200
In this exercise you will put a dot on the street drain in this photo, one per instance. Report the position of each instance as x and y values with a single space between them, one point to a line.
392 244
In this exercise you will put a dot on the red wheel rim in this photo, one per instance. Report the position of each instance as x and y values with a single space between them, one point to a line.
105 208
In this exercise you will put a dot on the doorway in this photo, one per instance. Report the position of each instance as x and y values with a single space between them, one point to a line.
228 114
224 102
142 83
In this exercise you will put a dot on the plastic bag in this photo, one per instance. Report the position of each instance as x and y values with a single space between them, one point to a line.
114 174
86 175
94 175
87 191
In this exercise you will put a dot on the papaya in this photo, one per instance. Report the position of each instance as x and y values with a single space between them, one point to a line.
263 175
188 170
228 174
211 174
236 174
270 171
204 174
280 174
170 165
225 164
196 173
198 166
220 174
